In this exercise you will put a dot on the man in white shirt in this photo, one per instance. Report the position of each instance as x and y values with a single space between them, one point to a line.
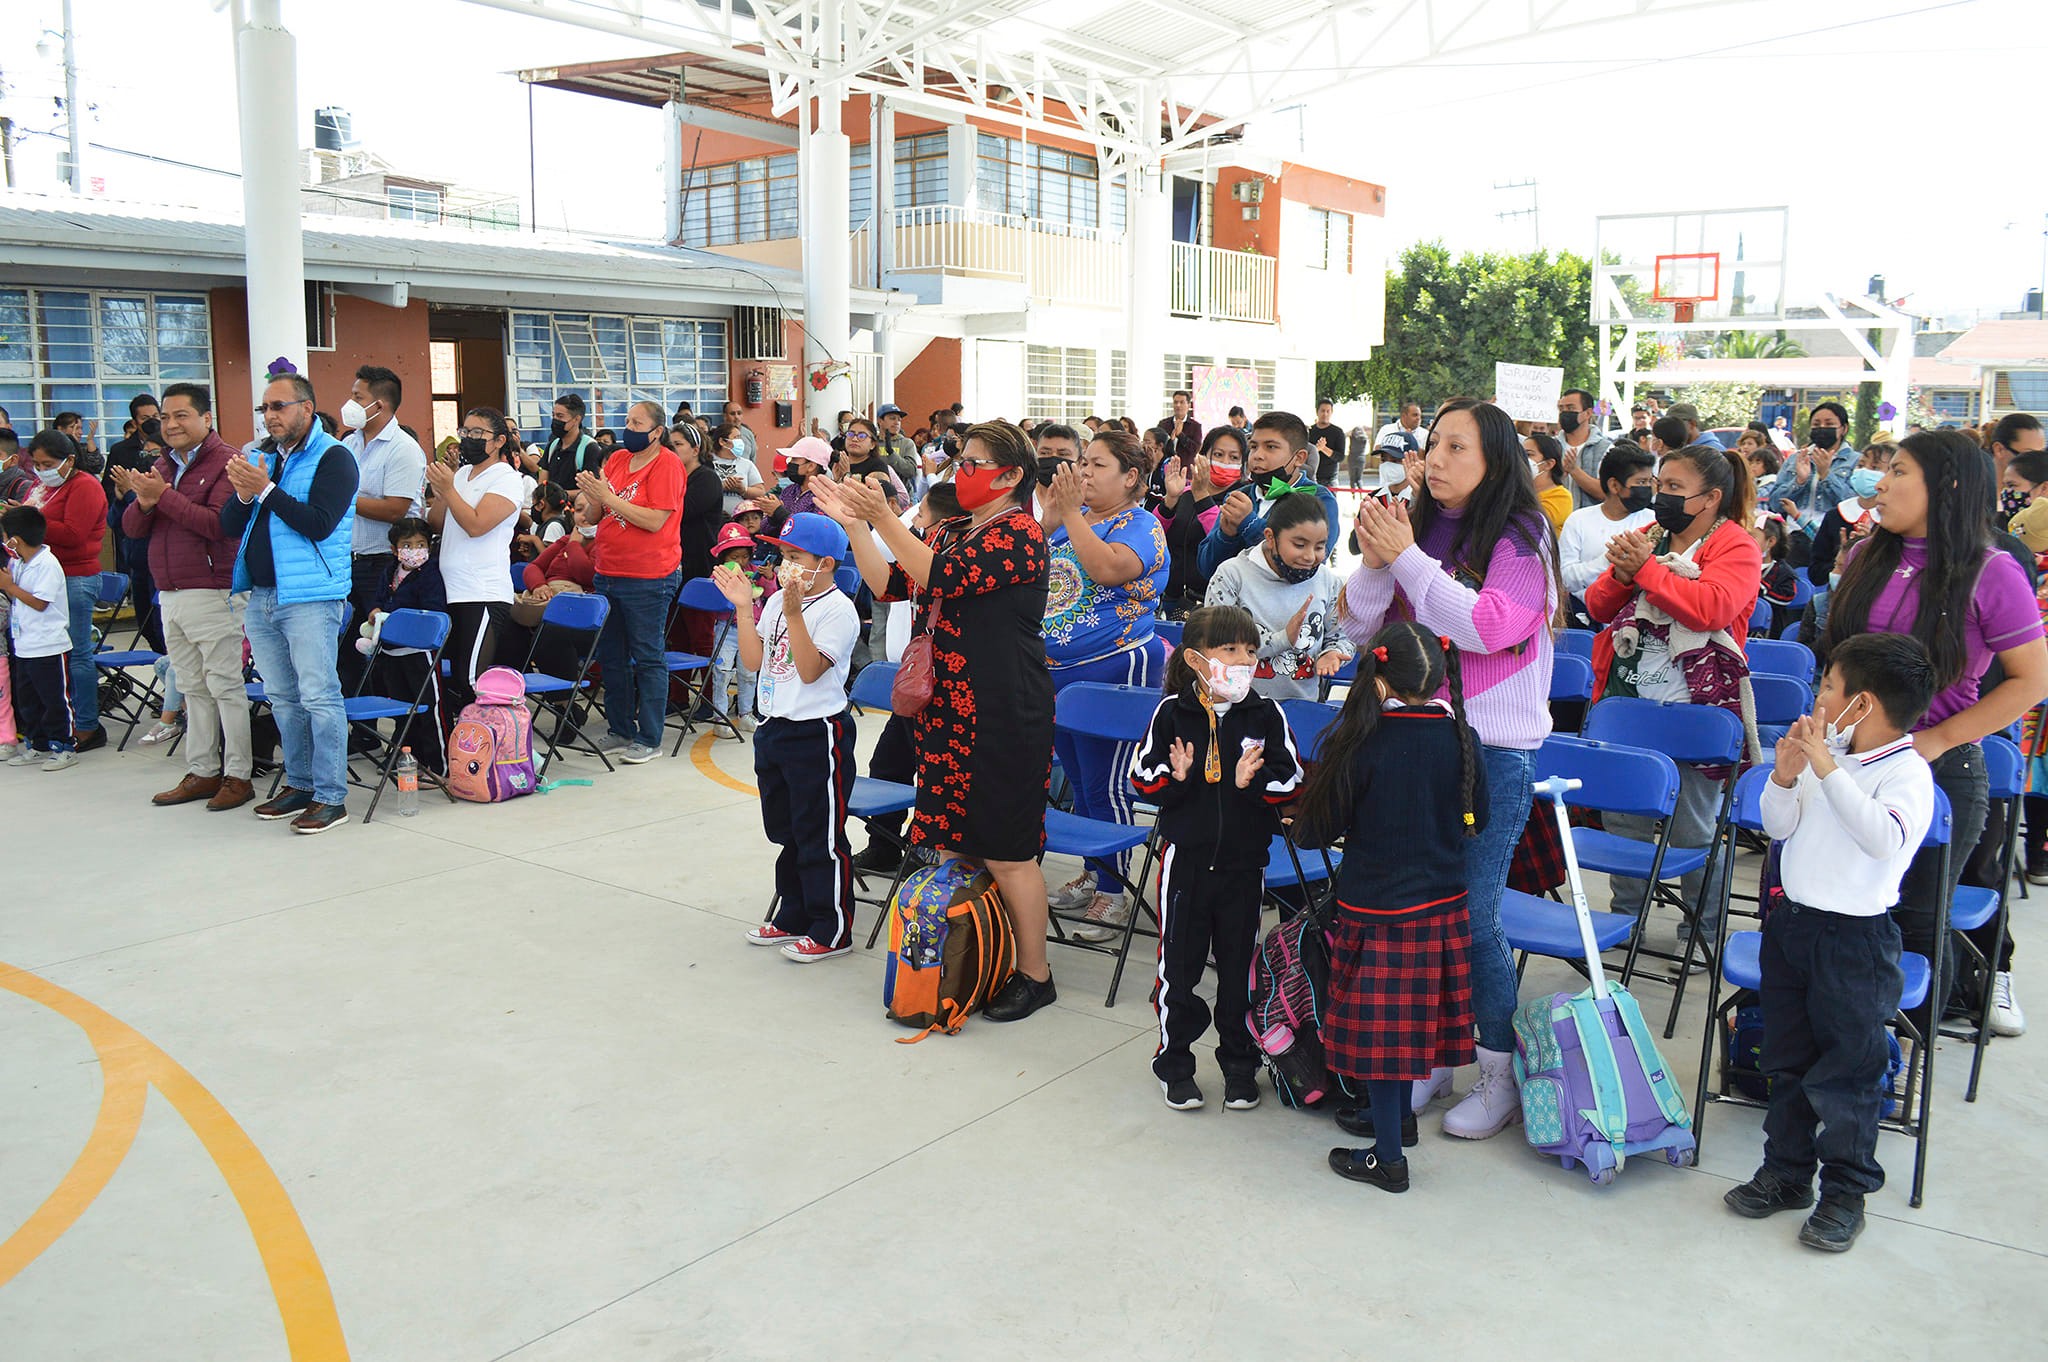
1851 800
390 471
1628 479
1396 440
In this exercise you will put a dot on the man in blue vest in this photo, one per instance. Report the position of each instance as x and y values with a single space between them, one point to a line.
294 508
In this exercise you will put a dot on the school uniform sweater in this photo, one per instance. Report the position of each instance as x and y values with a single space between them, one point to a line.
1218 826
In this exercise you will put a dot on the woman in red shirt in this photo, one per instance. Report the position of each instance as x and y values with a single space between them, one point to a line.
75 507
638 569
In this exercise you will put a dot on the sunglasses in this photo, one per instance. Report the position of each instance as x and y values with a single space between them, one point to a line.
278 408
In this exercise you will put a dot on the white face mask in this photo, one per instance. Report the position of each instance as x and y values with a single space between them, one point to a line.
354 415
1838 736
50 477
1226 683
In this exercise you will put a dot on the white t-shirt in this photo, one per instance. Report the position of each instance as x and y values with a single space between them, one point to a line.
480 569
1659 675
1582 543
743 469
835 627
45 632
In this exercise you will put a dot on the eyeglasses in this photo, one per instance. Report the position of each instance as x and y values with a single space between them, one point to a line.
977 463
853 435
471 433
277 408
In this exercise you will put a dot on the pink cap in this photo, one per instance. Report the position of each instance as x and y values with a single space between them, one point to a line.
812 448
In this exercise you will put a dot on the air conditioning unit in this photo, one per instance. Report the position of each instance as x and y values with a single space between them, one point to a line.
1249 191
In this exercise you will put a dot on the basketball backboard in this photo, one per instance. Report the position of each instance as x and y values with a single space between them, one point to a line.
1692 267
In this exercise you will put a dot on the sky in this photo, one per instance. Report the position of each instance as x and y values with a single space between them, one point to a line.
1897 132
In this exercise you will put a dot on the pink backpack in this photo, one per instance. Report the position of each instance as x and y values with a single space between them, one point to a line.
490 752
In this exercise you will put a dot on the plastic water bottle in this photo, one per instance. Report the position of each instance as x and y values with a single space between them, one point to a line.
406 777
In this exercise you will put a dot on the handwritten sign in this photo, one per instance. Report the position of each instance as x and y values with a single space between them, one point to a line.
1527 392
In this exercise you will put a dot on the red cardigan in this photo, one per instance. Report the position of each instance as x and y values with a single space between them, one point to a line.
1731 573
567 559
76 512
189 550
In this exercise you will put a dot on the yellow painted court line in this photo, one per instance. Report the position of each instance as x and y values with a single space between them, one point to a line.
700 757
129 1065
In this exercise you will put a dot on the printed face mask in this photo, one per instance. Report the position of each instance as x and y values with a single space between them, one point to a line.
795 578
410 559
1227 683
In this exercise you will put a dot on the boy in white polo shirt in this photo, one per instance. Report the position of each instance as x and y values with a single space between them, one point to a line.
1851 801
803 749
40 633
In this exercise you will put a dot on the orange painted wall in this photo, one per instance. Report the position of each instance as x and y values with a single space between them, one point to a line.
1230 231
929 382
364 333
769 437
1341 193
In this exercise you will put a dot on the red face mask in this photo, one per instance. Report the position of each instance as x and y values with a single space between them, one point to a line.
1224 474
975 485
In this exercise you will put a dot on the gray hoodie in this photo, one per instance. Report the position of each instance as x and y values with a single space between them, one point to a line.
1286 668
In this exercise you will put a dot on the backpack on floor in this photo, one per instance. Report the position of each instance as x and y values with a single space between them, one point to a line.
950 948
490 751
1290 989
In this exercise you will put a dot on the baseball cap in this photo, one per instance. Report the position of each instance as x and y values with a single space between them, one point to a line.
888 409
1684 411
810 447
813 533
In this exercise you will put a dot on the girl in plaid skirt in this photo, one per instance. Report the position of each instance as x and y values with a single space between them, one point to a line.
1398 782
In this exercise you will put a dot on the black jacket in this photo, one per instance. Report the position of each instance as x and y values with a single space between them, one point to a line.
1219 826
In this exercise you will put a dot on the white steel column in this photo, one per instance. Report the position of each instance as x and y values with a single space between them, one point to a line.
828 323
672 170
882 158
1148 231
266 69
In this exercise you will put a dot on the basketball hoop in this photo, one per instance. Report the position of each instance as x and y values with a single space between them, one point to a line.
1685 281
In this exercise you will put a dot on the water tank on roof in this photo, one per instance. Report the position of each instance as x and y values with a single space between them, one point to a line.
2033 306
332 129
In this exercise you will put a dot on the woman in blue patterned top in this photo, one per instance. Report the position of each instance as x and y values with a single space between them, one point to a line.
1109 565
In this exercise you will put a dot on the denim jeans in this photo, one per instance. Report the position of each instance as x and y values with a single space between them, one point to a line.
294 650
725 664
632 651
82 594
1830 983
1509 772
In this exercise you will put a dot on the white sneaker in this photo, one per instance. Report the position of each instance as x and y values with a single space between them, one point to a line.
2006 1017
7 750
1075 896
1427 1090
27 756
638 753
61 761
163 731
742 724
1492 1105
1105 919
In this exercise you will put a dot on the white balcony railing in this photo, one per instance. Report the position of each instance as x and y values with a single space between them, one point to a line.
1235 286
1056 263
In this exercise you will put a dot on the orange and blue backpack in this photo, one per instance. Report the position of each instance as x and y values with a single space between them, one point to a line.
950 948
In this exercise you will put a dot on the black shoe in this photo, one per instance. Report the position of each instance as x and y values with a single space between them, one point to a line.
1019 998
318 818
1833 1226
878 857
1362 1165
289 803
1240 1091
90 739
1182 1094
1358 1121
2037 867
1767 1194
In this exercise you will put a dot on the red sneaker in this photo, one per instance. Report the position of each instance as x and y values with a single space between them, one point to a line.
805 951
768 934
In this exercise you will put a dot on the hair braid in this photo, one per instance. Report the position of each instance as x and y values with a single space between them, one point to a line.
1467 747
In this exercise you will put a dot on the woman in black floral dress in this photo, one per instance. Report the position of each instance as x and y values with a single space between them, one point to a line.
985 741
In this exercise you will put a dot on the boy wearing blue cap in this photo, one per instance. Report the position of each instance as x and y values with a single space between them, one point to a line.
803 750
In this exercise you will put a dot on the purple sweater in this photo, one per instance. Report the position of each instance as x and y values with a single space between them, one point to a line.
2003 614
1501 630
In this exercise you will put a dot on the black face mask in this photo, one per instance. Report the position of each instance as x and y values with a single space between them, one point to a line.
1824 437
1568 421
1048 466
1638 499
1671 512
558 430
473 450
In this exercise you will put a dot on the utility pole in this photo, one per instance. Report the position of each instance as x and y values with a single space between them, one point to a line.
71 104
1531 212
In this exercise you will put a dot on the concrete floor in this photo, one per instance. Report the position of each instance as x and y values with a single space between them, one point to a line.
531 1095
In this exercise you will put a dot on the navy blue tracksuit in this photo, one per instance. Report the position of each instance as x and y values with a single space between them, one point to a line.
805 769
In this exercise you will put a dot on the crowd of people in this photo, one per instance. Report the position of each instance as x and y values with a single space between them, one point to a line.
1009 561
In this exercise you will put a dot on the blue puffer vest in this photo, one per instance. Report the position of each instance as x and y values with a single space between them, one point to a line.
306 571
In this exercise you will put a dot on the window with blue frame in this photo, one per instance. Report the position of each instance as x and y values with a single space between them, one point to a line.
1046 184
614 361
2020 389
89 352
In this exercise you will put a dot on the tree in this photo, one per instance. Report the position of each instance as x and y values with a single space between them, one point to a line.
1756 345
1341 380
1449 320
1723 404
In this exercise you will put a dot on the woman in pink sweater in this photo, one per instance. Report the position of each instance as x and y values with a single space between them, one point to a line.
1475 561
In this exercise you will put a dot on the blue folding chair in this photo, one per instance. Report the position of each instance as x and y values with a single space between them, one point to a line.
1780 657
1571 678
1779 700
424 631
1693 735
1611 780
519 577
847 579
1307 720
1120 714
128 700
698 594
1343 676
580 614
1741 965
1576 643
1170 630
1975 906
1760 616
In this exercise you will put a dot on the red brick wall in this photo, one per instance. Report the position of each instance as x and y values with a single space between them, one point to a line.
364 333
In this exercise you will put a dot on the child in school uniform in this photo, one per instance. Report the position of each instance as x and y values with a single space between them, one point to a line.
803 751
1398 778
1218 762
1851 801
1283 581
39 638
735 546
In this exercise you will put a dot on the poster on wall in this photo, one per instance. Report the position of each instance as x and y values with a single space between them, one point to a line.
781 382
1217 389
